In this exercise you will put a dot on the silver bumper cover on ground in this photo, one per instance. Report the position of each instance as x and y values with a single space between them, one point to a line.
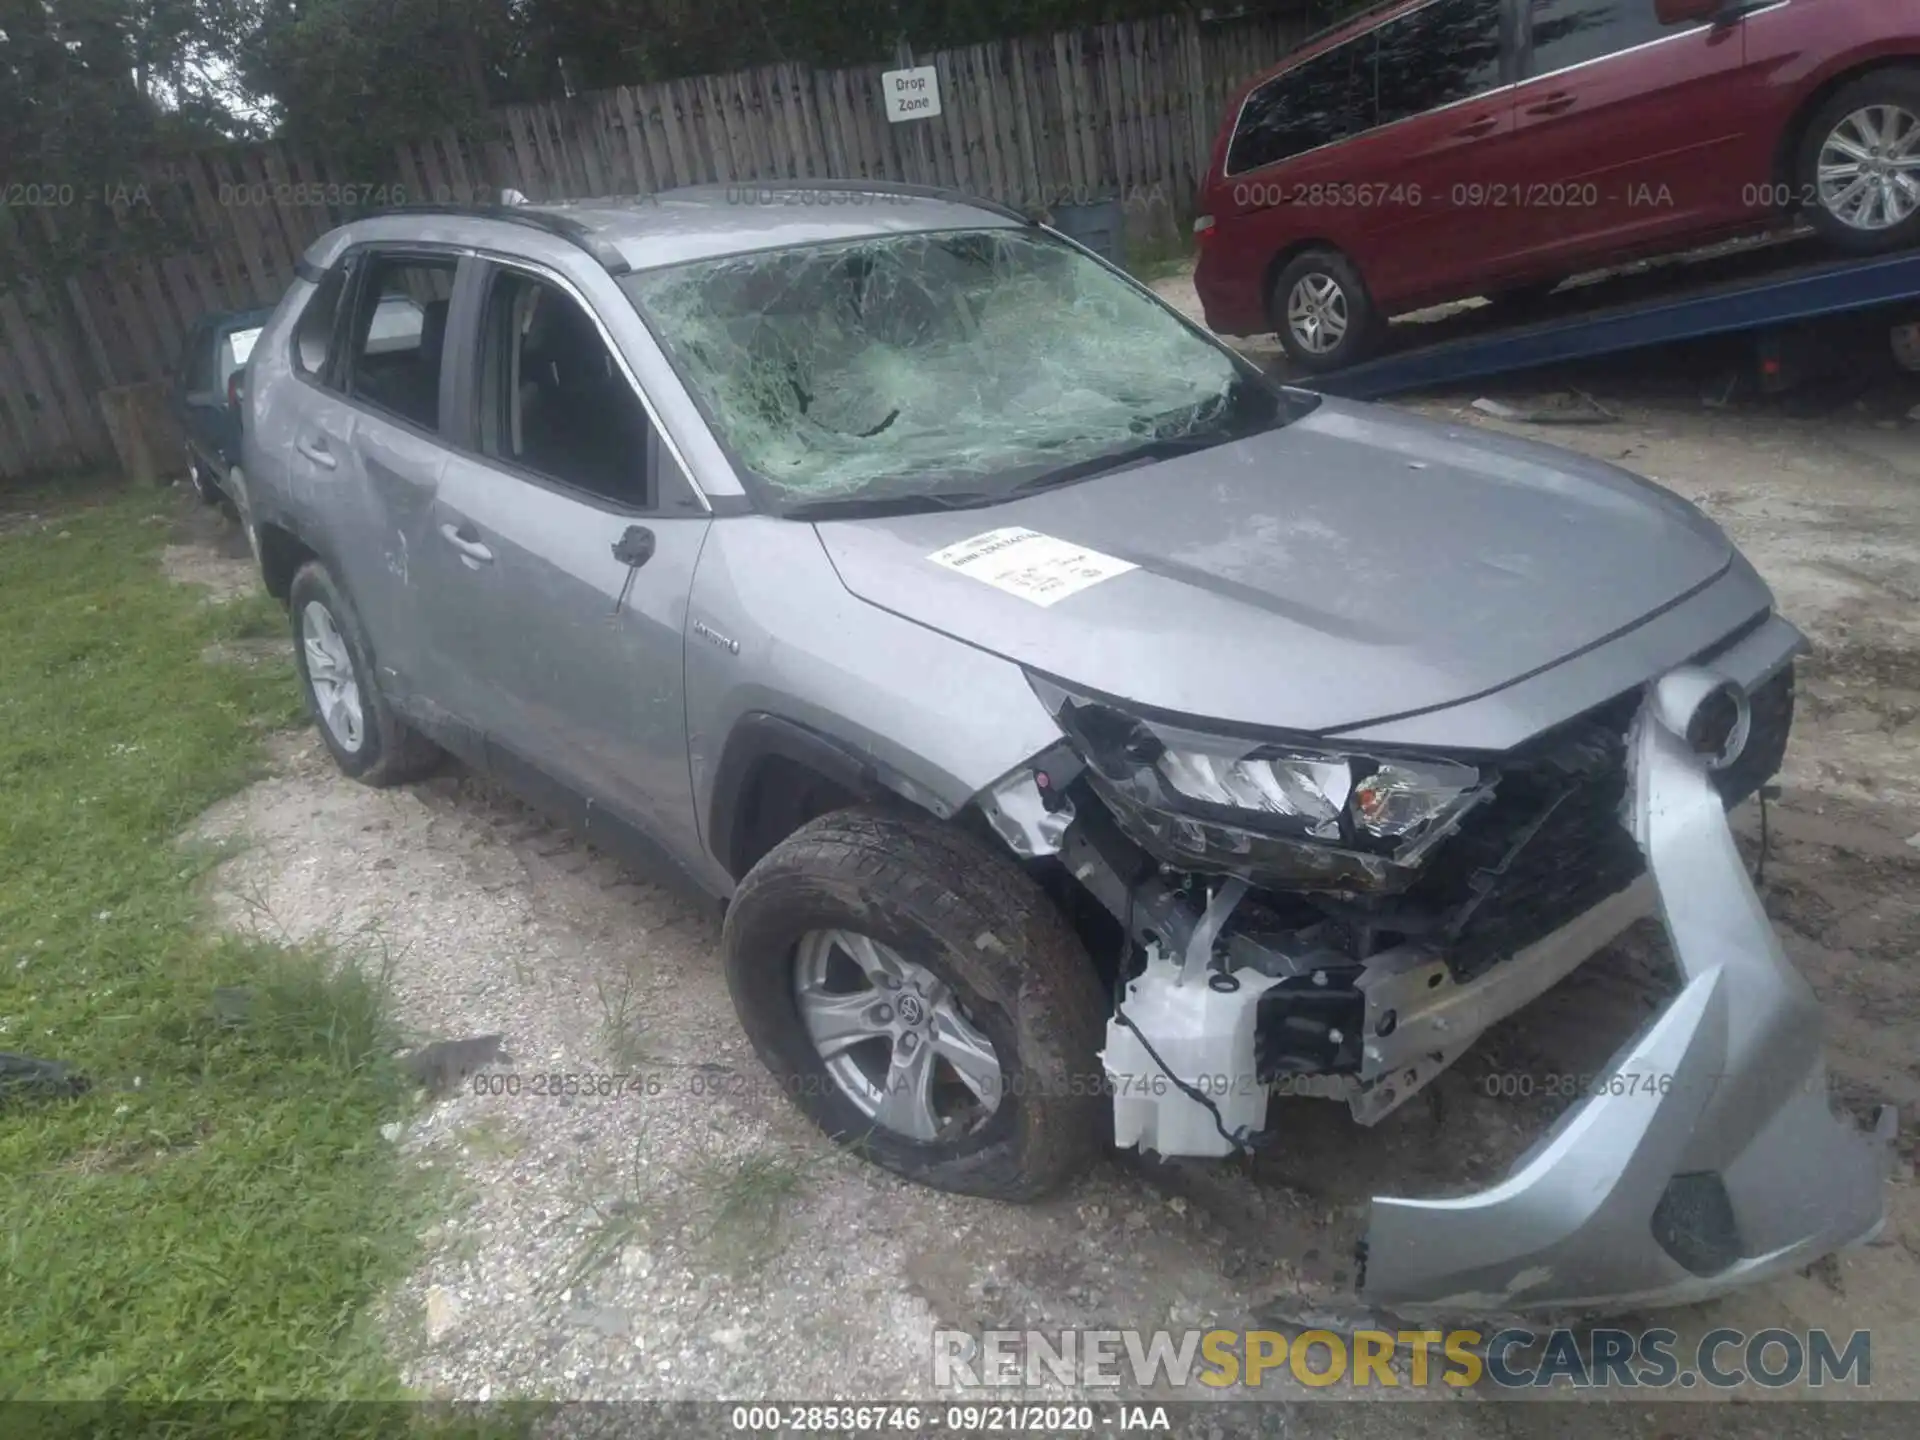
1714 1161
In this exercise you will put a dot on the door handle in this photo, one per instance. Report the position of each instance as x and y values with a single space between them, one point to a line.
1485 125
471 550
1554 104
317 452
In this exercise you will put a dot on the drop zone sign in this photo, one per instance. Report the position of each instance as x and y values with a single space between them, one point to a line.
911 94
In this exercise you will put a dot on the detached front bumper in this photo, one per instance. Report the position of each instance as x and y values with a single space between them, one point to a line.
1719 1160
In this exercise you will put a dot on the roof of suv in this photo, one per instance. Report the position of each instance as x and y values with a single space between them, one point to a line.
697 222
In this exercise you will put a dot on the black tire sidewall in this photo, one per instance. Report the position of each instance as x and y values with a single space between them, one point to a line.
1362 322
313 583
1900 86
1041 1131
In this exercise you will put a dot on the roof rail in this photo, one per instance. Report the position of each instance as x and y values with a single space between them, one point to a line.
853 187
552 221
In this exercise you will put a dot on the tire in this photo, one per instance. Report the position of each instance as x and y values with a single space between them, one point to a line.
380 749
946 905
1349 300
1886 92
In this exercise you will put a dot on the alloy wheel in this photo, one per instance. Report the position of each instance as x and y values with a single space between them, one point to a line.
330 670
894 1037
1869 168
1317 313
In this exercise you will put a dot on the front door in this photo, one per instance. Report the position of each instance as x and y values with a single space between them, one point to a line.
564 542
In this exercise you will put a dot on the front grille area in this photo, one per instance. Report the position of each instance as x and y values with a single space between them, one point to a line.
1553 841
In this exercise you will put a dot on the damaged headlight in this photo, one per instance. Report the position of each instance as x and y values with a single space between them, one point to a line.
1211 798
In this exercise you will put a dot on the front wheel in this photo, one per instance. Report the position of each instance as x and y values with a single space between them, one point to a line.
921 1000
1860 164
1323 314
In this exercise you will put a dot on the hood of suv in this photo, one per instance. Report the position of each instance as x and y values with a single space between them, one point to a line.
1352 566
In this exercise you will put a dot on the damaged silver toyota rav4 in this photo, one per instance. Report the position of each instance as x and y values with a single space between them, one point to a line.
1085 734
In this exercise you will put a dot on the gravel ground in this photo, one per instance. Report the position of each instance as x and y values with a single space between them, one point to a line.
694 1238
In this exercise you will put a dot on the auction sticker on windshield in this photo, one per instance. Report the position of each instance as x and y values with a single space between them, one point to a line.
1036 567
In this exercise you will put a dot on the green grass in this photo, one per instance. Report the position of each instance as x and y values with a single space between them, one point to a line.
215 1217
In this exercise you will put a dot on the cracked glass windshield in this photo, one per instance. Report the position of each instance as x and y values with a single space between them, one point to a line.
945 367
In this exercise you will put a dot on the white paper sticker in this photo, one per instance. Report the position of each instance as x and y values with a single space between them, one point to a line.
1036 567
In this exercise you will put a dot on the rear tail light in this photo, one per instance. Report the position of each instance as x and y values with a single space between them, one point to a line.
1202 228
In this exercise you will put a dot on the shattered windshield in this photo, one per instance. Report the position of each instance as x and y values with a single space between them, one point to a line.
936 363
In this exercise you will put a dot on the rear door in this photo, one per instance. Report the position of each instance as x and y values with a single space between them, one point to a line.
1629 130
564 544
372 438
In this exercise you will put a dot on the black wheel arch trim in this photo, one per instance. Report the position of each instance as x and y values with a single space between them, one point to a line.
761 735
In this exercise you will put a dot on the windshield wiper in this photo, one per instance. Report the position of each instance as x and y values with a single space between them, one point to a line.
867 507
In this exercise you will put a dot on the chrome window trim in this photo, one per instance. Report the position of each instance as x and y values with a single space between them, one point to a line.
1479 97
1680 34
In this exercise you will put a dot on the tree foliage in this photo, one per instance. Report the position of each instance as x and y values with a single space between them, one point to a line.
86 86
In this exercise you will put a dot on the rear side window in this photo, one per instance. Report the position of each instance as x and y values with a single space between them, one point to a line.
313 333
399 335
1442 53
1316 103
1572 32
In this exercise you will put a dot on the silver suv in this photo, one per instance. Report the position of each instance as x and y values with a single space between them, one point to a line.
1085 734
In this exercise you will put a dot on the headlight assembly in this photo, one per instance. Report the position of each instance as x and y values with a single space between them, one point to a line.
1330 815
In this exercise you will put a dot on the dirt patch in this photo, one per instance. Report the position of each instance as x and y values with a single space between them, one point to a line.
207 549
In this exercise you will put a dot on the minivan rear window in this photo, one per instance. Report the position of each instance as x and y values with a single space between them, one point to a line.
1316 103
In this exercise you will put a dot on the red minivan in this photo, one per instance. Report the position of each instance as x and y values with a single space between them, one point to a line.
1433 150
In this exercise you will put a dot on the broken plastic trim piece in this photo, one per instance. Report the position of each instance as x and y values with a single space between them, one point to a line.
1028 807
1728 1081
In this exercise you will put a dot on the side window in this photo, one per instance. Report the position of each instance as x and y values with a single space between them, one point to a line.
552 399
235 348
313 334
1443 52
399 334
1316 103
1571 32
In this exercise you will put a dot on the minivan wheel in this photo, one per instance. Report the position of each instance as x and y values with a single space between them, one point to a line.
1322 312
920 999
368 741
1860 164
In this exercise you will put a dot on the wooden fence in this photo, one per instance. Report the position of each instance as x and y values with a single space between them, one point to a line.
1126 110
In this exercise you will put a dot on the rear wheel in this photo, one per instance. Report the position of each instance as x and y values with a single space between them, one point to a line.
368 741
921 1000
1322 312
1859 164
